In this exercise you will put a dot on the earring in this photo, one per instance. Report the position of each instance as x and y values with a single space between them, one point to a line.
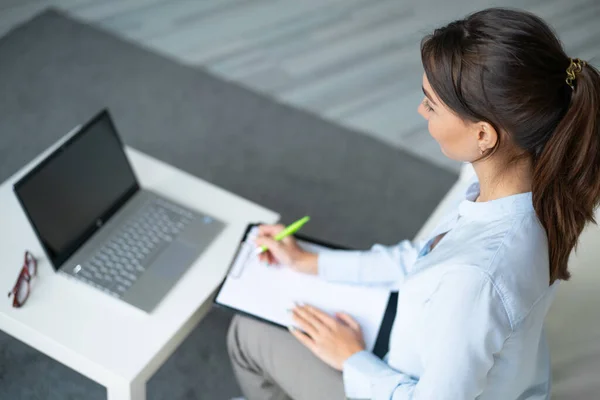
481 151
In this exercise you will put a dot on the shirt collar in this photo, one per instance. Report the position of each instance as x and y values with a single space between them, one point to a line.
495 209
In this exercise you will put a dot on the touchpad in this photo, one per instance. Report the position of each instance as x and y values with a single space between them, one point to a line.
173 261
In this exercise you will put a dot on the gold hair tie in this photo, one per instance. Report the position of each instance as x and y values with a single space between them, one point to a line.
574 68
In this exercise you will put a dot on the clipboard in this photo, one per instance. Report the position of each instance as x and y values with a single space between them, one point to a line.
235 271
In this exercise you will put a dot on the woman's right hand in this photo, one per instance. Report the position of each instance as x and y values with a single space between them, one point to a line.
285 251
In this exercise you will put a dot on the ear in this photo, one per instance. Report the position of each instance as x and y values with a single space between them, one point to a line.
487 136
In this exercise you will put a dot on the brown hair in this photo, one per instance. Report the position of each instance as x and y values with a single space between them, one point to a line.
508 68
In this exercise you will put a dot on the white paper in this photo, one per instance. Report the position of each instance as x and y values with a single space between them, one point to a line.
269 292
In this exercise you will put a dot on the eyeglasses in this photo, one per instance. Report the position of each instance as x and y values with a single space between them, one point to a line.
20 292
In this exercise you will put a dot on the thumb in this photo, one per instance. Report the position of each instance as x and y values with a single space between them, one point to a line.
348 320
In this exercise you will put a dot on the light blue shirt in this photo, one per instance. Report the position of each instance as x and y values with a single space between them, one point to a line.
470 316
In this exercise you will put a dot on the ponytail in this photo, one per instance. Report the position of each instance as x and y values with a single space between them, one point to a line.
508 68
566 175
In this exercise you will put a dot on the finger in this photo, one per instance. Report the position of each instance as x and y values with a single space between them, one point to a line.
288 240
303 338
324 318
278 252
308 326
265 257
270 230
271 244
272 259
348 320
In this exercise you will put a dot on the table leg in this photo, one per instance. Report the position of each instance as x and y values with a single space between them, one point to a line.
127 391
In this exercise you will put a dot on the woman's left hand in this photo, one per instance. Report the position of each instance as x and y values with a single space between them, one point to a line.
333 340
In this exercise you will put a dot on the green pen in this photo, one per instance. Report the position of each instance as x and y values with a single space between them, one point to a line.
289 230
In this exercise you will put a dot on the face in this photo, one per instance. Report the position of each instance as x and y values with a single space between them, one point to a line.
459 140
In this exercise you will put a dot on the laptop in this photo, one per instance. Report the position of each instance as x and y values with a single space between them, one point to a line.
98 226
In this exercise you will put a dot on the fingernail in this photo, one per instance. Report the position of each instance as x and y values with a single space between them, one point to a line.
291 328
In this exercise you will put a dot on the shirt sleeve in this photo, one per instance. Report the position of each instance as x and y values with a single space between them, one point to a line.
464 325
382 265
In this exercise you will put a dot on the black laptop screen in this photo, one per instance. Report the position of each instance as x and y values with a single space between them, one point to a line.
71 193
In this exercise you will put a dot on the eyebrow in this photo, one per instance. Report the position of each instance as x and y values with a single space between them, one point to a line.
428 96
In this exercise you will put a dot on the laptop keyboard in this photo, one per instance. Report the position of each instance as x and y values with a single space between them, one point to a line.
125 256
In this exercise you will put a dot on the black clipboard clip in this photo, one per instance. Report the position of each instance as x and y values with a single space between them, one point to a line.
245 251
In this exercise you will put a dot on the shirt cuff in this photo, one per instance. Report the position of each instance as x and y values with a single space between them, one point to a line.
359 371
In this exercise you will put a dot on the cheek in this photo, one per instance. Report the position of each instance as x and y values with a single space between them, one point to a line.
439 131
452 141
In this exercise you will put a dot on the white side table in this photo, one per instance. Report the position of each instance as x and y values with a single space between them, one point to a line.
101 337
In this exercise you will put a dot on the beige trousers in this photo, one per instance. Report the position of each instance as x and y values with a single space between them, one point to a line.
270 364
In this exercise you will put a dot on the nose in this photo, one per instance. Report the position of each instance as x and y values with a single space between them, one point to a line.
421 110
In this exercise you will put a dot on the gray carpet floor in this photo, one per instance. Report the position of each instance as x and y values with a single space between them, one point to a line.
345 60
56 72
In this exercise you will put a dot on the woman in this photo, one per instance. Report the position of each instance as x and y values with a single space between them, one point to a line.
501 94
